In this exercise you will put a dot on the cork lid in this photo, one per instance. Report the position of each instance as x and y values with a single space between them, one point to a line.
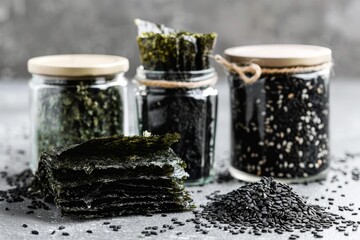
78 65
279 55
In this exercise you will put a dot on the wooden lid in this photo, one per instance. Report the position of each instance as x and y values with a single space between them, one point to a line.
279 55
78 65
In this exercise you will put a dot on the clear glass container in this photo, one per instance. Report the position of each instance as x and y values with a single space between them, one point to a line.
189 111
280 123
68 110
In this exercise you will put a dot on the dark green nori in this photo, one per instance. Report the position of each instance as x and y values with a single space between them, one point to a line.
126 174
152 187
119 145
164 49
123 196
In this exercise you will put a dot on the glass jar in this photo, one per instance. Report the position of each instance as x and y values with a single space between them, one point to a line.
75 98
190 111
280 122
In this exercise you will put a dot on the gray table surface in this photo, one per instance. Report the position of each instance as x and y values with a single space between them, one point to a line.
345 136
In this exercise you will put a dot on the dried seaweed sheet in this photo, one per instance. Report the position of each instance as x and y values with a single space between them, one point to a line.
165 49
123 195
126 174
96 188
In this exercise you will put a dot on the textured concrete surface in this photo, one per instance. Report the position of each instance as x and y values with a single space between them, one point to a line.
345 131
30 28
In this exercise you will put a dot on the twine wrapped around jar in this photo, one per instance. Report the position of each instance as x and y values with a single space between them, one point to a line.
176 80
177 84
256 71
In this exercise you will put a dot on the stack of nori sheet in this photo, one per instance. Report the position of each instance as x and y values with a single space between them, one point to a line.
115 176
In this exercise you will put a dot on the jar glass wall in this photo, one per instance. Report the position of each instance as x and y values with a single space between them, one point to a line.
188 111
75 98
280 126
69 111
279 111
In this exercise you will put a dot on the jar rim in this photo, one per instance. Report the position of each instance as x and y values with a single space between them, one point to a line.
279 55
78 65
203 71
184 76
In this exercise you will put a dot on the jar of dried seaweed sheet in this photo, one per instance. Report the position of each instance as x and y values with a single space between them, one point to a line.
279 111
75 98
186 103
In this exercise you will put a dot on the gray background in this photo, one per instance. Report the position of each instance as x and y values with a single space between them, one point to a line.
31 28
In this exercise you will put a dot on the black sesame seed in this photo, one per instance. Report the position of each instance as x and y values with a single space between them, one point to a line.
34 232
24 225
263 206
65 234
61 227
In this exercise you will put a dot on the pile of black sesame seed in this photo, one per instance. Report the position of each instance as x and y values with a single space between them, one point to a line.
264 207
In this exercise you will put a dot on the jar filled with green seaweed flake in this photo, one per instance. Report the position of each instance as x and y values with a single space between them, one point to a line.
279 111
186 103
75 98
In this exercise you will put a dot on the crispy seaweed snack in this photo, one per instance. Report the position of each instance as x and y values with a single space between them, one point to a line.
115 176
165 49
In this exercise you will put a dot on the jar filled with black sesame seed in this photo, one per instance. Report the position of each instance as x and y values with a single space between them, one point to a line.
186 103
279 111
75 98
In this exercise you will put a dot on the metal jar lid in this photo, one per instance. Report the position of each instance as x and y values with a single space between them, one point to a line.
279 55
78 65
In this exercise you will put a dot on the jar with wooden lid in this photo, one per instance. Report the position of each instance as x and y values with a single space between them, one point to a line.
75 98
279 111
